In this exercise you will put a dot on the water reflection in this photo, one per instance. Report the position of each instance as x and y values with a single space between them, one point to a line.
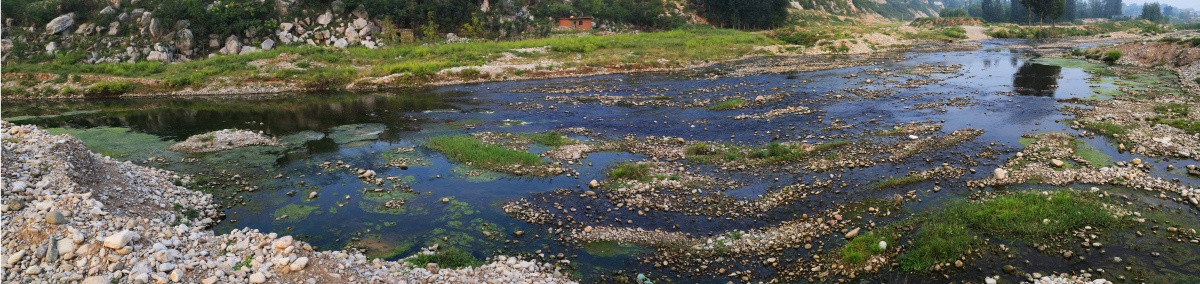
1034 79
176 119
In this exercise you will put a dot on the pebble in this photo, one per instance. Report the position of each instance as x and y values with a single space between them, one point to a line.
54 217
852 233
258 277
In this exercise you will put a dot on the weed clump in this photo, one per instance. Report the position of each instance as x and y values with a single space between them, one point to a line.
631 171
476 153
551 139
730 104
447 258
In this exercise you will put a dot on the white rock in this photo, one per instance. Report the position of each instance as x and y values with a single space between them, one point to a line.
60 24
258 277
119 240
283 242
1000 173
96 280
324 19
299 263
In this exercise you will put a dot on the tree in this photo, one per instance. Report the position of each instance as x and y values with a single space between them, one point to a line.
988 11
1152 12
1069 11
1018 13
952 13
1112 8
744 14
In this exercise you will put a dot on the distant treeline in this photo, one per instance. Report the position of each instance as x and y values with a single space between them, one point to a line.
1050 11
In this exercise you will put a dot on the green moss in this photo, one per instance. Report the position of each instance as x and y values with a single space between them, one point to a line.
610 249
476 175
476 153
374 246
119 142
356 132
729 104
1094 156
295 212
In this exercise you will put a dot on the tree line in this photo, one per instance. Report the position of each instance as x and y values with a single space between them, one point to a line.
1051 11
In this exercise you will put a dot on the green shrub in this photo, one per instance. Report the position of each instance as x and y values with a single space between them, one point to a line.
1112 56
108 89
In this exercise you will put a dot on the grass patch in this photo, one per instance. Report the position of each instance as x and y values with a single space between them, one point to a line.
1107 128
730 104
631 171
1029 216
551 139
861 248
322 67
474 152
446 258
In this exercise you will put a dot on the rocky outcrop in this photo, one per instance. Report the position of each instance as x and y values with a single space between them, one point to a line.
148 36
60 24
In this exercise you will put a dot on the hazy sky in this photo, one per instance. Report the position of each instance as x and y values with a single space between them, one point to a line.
1195 4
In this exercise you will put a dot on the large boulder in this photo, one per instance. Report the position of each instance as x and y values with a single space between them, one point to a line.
232 45
144 20
341 43
325 19
156 29
60 24
268 44
184 40
114 28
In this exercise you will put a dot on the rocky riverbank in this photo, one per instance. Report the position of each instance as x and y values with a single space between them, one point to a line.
72 215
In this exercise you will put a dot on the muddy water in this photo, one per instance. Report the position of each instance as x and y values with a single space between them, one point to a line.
993 89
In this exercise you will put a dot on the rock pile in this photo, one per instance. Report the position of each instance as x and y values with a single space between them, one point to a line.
221 140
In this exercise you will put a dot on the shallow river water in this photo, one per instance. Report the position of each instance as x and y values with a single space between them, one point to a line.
1000 91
